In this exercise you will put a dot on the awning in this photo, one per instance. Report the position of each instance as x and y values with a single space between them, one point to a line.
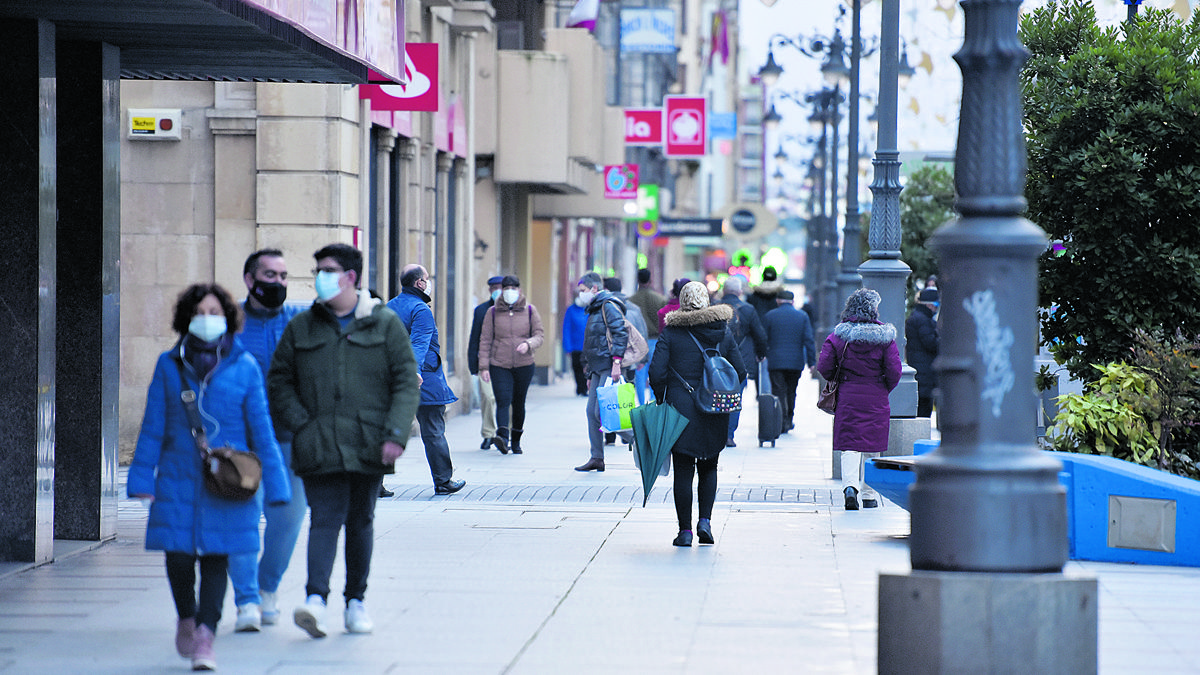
258 40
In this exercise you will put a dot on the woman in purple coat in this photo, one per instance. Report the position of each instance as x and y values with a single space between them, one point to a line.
870 368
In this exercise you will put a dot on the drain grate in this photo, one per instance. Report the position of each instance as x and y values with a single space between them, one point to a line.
601 494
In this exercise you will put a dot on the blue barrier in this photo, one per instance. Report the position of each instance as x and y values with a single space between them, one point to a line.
1117 511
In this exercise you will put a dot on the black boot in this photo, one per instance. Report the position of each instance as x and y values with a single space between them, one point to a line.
501 440
516 441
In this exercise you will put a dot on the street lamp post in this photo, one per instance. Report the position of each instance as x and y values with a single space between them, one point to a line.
988 516
849 280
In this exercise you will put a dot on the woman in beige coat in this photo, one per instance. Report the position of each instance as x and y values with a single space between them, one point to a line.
512 331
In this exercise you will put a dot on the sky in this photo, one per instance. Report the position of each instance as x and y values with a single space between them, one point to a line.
927 119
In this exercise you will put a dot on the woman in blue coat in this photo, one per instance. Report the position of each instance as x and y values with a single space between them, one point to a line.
187 521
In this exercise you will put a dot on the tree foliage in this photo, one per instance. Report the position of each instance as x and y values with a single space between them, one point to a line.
1112 118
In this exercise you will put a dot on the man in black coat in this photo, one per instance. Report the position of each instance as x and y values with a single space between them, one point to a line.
487 402
748 334
604 340
921 348
764 296
790 347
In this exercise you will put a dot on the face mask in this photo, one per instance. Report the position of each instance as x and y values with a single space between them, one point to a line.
586 297
511 295
328 285
429 287
207 327
270 293
495 294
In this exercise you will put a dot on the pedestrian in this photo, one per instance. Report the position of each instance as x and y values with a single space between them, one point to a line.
695 326
189 523
512 332
344 381
638 320
604 344
763 295
574 320
672 302
649 302
790 347
865 349
412 306
487 402
256 581
748 334
921 347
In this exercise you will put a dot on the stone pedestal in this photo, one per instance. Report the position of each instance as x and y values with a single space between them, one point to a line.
970 622
905 430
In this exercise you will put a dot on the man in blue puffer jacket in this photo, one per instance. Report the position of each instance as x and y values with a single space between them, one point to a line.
413 307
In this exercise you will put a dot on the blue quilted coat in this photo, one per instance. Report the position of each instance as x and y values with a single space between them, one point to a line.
184 516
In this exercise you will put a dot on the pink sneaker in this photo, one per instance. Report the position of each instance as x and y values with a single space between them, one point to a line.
185 637
203 657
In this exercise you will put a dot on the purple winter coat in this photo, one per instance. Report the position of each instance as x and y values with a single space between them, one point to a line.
871 369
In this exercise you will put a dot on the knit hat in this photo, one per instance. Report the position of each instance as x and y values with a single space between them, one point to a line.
862 305
693 296
510 280
678 285
928 295
769 274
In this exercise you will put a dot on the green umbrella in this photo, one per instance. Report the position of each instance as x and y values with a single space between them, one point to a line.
655 430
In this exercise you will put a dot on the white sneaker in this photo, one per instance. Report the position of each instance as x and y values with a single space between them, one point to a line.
249 619
310 616
270 608
356 617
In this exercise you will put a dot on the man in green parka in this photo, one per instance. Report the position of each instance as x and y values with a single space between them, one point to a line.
344 381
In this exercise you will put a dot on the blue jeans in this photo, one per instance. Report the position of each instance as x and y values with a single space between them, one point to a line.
247 572
643 374
341 499
736 416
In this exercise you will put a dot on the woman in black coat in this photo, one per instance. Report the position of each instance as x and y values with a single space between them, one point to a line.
677 356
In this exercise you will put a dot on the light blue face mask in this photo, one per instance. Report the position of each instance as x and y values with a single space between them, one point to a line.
207 327
495 294
328 285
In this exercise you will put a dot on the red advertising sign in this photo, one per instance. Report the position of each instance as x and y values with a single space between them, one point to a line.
421 92
685 121
643 126
621 181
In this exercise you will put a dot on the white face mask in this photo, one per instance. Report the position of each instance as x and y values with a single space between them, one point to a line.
328 285
510 295
207 327
586 297
429 287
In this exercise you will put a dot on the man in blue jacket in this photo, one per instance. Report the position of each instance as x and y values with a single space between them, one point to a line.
413 307
790 347
255 581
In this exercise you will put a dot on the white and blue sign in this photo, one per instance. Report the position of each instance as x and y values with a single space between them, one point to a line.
722 125
648 30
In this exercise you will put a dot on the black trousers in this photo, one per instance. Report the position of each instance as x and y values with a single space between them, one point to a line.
685 467
783 385
581 378
924 406
511 385
181 574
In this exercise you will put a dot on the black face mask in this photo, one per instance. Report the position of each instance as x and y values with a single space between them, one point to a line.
270 293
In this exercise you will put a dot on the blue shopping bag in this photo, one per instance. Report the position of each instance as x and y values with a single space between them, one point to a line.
615 401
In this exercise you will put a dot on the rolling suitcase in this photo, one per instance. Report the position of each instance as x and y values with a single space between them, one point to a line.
770 411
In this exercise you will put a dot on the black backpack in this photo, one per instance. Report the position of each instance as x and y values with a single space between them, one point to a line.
720 390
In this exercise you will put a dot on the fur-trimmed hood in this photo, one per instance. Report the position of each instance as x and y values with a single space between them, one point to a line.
769 288
869 333
699 317
366 304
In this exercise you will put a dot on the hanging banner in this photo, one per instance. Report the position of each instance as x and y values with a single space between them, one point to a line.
685 126
621 181
421 92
